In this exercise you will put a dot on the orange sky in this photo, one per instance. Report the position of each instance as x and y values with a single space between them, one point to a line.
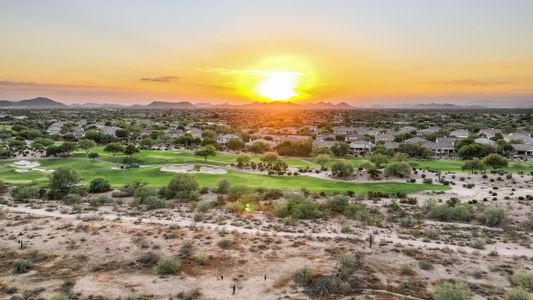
361 52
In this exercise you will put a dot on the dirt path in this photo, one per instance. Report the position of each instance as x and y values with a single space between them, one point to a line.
501 248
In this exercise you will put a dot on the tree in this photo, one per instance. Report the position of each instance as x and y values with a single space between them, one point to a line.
258 147
182 186
471 151
208 134
473 165
322 160
340 149
398 169
147 143
130 150
414 150
86 145
93 155
270 157
495 161
206 151
242 159
342 168
99 185
297 148
379 160
65 181
235 144
114 148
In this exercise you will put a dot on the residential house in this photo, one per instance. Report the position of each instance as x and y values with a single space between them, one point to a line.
352 137
485 141
519 136
522 150
489 133
342 130
407 129
55 128
225 138
384 137
360 147
460 133
442 146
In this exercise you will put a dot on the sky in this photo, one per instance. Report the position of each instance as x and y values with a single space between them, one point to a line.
238 51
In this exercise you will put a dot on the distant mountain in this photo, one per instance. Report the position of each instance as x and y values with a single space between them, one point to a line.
446 106
171 105
97 105
290 105
38 102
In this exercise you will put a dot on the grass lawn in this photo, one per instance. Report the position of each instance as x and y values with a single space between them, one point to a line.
152 175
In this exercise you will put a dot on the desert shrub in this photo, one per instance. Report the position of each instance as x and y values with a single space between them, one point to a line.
3 187
427 181
237 191
297 208
142 193
302 276
518 294
183 187
99 185
223 186
342 168
63 181
193 294
128 189
449 212
337 203
452 291
21 266
431 234
23 193
398 169
59 296
148 259
478 243
425 265
523 278
407 270
154 202
168 265
225 243
100 200
494 216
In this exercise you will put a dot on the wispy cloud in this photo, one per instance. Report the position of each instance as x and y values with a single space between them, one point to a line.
225 71
468 82
160 79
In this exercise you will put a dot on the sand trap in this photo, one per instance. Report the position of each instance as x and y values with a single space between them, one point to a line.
209 170
25 164
22 170
190 169
177 169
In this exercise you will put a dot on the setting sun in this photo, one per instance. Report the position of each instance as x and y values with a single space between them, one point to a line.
278 85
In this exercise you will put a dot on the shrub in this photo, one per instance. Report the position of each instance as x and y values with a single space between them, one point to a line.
452 291
23 193
478 243
223 186
153 202
142 193
59 296
494 216
182 186
298 208
65 180
427 181
167 265
398 169
225 243
71 199
303 276
407 270
523 278
447 212
99 185
518 294
342 168
21 266
338 203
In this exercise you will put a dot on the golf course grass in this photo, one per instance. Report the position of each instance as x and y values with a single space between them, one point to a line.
151 161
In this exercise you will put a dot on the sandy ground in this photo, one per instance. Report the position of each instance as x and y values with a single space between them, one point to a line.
190 169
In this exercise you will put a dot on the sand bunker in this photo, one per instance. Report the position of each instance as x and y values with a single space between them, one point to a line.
24 166
190 169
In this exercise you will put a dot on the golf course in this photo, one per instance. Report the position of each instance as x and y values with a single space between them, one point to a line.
151 162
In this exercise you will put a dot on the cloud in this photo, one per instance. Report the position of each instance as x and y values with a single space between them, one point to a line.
468 82
224 71
160 79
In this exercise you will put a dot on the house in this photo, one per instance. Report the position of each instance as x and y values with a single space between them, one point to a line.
518 136
324 144
430 130
442 146
489 133
384 137
175 133
107 129
360 147
391 145
352 137
460 133
407 129
195 132
416 140
522 150
341 130
325 137
225 138
55 128
485 141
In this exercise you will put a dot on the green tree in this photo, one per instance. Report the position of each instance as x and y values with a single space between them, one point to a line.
473 165
340 149
99 185
398 169
93 155
130 150
452 291
182 186
379 160
495 161
65 181
235 144
147 143
206 151
86 145
270 157
322 160
242 159
114 148
342 168
471 151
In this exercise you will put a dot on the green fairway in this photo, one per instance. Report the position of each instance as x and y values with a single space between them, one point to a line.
150 173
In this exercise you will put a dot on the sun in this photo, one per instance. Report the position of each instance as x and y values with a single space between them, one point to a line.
278 85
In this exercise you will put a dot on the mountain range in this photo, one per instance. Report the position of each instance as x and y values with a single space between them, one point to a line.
42 102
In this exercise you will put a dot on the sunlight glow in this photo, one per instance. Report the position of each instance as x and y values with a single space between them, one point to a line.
278 85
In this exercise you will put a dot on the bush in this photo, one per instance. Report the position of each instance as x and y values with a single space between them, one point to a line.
153 202
303 276
167 265
225 243
183 187
494 216
452 291
59 296
523 278
141 195
427 181
65 180
23 193
398 169
337 204
447 212
298 208
517 294
341 168
223 186
99 185
71 199
478 243
21 266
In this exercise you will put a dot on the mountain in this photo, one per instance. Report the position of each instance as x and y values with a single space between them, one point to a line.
171 105
38 102
97 105
446 106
